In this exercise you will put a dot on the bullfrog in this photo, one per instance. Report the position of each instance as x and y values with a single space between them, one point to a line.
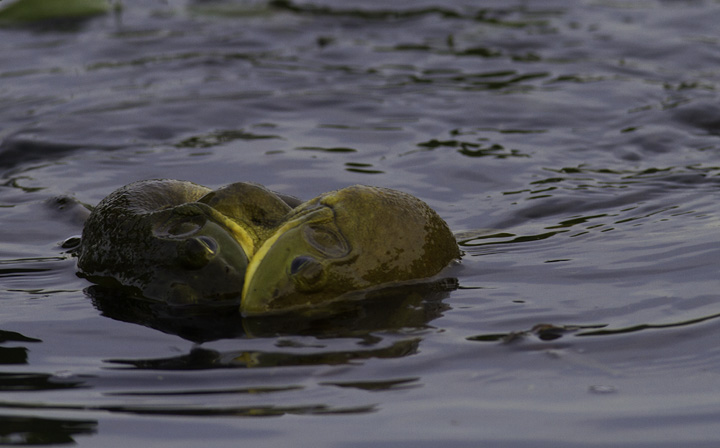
177 241
183 243
353 239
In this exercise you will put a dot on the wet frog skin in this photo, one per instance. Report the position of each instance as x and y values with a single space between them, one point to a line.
353 239
182 243
177 241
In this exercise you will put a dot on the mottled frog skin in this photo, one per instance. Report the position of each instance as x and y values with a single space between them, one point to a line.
182 243
177 241
353 239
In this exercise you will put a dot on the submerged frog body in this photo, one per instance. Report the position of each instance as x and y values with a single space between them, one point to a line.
177 241
353 239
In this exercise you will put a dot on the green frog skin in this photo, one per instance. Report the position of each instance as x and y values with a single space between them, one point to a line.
353 239
177 241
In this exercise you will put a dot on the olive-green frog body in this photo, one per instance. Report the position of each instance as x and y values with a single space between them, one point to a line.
352 239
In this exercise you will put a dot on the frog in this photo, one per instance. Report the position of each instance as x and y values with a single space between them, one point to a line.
345 243
177 241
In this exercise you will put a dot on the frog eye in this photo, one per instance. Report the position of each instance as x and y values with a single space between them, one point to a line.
298 262
307 273
196 252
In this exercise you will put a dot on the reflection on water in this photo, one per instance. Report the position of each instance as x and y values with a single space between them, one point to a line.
12 336
16 430
13 355
386 309
472 149
25 381
550 332
27 430
544 332
216 138
195 411
199 359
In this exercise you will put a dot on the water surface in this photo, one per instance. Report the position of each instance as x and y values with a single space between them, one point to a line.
582 134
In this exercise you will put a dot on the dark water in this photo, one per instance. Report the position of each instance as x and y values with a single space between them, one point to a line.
584 134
